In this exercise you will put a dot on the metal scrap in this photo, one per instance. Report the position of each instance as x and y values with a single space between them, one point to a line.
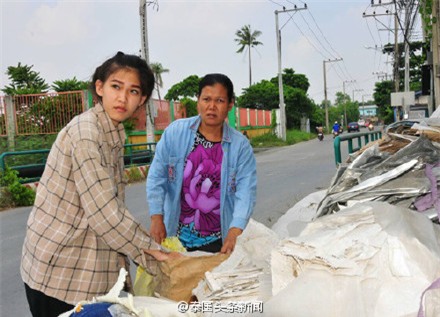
391 169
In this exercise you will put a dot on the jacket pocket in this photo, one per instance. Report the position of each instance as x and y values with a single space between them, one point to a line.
232 181
172 169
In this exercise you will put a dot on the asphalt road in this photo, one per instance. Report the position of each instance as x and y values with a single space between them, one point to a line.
285 176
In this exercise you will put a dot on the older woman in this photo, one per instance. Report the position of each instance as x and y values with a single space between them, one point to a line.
201 185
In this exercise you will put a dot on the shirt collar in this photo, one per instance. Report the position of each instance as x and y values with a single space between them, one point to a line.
114 135
226 129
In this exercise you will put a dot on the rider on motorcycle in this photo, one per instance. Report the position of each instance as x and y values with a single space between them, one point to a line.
336 128
320 132
319 129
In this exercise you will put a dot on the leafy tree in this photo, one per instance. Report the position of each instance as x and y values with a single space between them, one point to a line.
24 81
184 92
263 95
344 105
70 85
293 80
187 88
190 106
246 39
382 98
341 98
158 70
317 117
298 105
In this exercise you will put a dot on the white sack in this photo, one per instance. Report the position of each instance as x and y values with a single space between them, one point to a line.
297 217
372 259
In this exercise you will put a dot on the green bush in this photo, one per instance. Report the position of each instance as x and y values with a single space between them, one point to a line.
14 194
135 175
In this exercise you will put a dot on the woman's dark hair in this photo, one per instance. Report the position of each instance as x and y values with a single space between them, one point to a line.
121 61
212 79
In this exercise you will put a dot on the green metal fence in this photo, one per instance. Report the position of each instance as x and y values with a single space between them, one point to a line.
349 137
135 155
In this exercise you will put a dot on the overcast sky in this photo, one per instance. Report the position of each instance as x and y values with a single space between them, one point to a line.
63 39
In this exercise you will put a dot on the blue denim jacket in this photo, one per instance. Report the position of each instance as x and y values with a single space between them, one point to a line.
238 176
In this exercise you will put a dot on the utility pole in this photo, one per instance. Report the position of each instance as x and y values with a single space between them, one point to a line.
280 74
325 89
345 103
407 36
355 90
435 47
396 36
396 53
149 123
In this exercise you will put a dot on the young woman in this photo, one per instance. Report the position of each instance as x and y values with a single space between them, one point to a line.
79 232
201 185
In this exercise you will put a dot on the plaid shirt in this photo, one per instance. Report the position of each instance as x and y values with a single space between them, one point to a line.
79 227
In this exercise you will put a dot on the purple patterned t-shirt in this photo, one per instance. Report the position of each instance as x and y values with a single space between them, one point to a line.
199 222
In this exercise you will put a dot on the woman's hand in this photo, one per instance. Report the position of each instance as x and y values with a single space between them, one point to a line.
162 256
157 228
231 240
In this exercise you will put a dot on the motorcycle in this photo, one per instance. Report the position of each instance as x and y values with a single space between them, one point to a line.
320 132
335 134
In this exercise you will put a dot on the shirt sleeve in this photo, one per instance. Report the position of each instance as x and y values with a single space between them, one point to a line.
106 213
157 178
246 186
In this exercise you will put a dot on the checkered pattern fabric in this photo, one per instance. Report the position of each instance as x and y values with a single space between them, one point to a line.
79 227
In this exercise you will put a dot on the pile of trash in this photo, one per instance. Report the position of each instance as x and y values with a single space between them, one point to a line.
401 169
369 245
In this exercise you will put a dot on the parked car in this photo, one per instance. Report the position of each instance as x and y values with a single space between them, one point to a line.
353 126
399 126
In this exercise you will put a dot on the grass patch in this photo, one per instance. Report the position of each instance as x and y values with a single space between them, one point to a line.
271 140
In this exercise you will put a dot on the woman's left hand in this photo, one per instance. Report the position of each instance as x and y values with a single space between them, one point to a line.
231 240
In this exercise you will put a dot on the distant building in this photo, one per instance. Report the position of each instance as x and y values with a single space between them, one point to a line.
367 111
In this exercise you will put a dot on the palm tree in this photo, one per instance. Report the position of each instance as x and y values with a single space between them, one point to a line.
247 39
158 70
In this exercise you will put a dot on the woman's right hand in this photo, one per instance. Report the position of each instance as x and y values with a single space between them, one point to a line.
157 228
163 256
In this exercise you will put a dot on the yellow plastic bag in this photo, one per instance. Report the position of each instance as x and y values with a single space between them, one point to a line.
144 283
